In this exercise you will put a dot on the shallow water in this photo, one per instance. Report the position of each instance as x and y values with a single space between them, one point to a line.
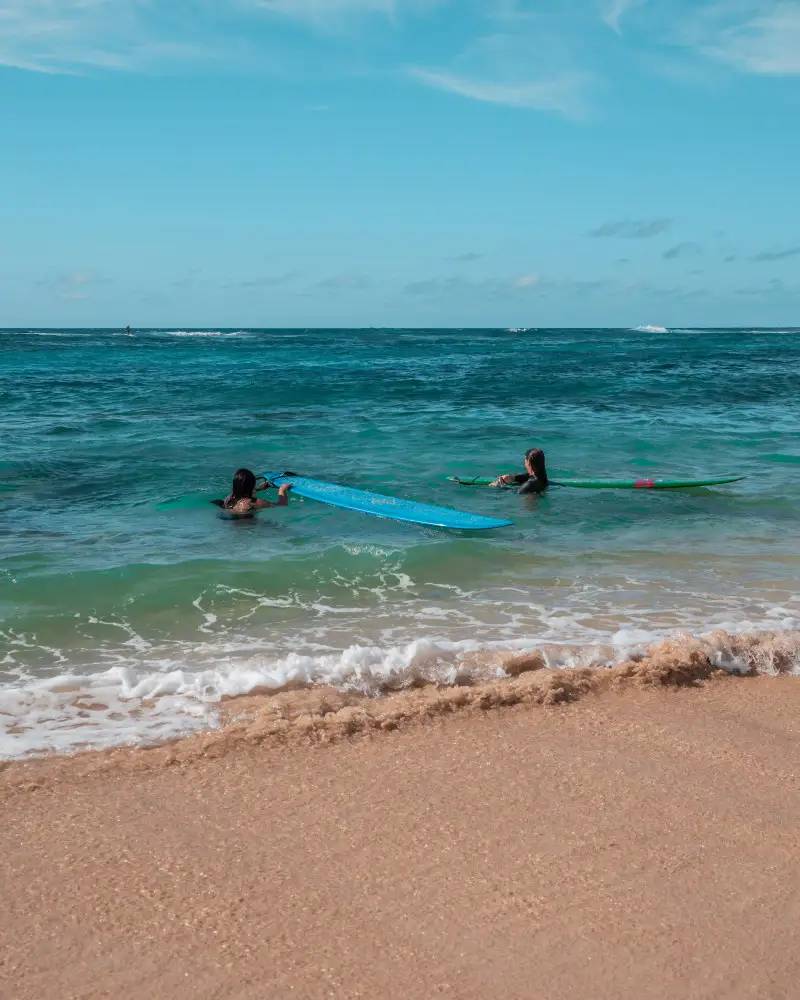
122 621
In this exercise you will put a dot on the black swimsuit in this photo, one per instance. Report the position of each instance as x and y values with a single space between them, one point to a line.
530 484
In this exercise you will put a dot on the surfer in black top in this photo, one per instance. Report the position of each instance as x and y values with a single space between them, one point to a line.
242 500
534 479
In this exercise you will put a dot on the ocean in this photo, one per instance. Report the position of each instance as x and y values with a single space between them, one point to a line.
126 618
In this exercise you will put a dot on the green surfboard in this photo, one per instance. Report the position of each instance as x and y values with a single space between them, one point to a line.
611 484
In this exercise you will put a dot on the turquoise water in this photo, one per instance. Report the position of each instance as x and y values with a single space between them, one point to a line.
121 620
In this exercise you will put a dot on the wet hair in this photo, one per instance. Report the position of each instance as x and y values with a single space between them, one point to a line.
244 483
536 458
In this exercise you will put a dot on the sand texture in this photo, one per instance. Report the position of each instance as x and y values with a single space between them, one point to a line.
626 840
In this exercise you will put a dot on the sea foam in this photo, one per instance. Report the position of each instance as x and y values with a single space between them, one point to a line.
130 705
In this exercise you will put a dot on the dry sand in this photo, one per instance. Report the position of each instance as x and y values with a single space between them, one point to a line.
633 842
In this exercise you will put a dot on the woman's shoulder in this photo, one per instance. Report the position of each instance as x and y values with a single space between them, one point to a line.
240 506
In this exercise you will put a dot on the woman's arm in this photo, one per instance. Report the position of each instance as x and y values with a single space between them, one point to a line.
282 501
509 477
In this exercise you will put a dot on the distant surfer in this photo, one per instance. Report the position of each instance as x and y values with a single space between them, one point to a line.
534 479
242 501
128 331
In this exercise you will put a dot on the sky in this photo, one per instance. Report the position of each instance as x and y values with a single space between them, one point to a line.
226 163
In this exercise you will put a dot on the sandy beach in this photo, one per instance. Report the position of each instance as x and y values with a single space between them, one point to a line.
399 507
632 837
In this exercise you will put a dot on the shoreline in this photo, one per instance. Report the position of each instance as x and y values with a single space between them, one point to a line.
489 679
638 840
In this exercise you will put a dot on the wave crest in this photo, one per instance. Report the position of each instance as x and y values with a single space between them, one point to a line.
120 706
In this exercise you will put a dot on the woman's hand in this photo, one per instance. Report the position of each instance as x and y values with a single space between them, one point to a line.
503 480
283 490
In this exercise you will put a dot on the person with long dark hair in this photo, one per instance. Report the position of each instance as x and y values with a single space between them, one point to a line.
242 499
533 480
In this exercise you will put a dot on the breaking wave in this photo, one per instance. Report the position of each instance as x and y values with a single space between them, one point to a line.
122 705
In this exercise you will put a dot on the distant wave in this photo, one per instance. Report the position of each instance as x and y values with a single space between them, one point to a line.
773 330
39 333
199 333
101 332
648 328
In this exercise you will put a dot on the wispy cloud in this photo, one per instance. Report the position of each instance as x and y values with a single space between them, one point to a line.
436 286
337 282
73 286
263 281
772 287
525 281
323 12
632 229
72 36
75 36
467 258
189 280
669 292
767 255
494 287
753 36
682 250
327 8
336 16
563 93
613 11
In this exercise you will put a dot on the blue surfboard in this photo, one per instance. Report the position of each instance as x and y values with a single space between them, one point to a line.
382 506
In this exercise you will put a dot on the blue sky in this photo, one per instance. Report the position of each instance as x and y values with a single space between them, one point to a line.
399 162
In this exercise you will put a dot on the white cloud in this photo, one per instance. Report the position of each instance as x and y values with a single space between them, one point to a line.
613 11
502 288
318 11
69 36
535 66
353 282
562 93
686 249
333 13
79 278
773 255
766 42
73 286
632 229
264 281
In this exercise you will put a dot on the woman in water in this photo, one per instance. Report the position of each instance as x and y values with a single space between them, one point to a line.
534 479
241 499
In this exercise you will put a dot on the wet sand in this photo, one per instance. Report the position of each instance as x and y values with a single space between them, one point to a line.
632 841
